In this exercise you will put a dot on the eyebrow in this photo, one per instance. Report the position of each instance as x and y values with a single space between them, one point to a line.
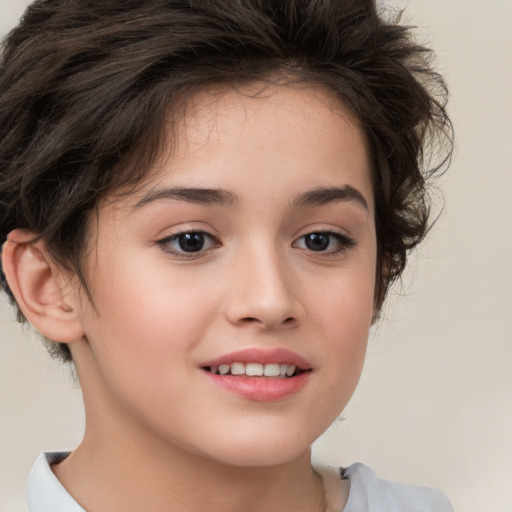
221 197
205 196
326 195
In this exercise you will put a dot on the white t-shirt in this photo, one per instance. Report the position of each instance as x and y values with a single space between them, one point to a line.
368 493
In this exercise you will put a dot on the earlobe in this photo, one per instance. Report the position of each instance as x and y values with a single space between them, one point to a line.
40 288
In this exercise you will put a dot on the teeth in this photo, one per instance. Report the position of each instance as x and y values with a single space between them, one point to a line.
272 370
238 369
254 369
224 369
282 370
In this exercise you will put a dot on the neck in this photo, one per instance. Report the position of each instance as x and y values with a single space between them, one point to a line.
116 473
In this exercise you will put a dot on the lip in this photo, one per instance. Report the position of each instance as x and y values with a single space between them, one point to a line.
261 389
255 355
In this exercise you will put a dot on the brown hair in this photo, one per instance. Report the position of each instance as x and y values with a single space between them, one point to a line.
87 88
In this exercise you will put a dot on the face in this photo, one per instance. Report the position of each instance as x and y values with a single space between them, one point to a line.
233 294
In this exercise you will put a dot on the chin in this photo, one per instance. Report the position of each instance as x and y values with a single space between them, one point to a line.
255 459
261 450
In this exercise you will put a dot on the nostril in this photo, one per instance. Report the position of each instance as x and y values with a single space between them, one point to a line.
252 319
248 319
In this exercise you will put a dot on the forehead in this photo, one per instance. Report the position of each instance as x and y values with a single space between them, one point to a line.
289 111
228 104
264 131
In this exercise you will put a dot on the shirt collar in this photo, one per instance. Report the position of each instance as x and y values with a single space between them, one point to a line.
45 492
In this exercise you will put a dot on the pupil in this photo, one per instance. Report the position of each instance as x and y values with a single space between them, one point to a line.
191 242
317 241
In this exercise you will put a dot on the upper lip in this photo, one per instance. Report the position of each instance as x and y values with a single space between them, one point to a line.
261 356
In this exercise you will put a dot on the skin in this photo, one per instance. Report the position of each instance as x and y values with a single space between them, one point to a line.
159 434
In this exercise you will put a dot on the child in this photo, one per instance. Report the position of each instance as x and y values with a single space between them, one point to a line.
203 205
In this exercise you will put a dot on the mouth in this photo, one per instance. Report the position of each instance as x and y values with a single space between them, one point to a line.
270 370
260 375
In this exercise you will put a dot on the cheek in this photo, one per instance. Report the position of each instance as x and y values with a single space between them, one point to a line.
153 325
347 300
145 334
142 338
345 316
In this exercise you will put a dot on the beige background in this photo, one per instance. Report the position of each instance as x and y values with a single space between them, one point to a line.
435 401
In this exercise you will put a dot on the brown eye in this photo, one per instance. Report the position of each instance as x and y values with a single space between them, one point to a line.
189 242
317 241
328 242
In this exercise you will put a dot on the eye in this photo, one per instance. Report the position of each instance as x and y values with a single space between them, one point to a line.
325 241
188 242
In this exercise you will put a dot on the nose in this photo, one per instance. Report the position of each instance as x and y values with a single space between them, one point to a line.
263 292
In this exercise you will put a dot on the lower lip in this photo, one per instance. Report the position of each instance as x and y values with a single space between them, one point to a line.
261 389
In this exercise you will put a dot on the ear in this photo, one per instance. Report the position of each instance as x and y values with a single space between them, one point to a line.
40 287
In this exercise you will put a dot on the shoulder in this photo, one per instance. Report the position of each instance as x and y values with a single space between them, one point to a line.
369 493
383 495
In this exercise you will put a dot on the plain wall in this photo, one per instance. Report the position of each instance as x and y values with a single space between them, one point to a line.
434 405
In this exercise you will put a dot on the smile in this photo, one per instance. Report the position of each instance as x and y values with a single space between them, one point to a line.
276 370
260 375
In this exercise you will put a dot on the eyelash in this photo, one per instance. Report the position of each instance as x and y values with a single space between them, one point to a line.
344 243
165 243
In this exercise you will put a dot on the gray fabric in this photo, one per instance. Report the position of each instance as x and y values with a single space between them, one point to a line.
368 493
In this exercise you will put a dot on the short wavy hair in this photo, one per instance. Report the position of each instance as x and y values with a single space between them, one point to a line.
87 88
